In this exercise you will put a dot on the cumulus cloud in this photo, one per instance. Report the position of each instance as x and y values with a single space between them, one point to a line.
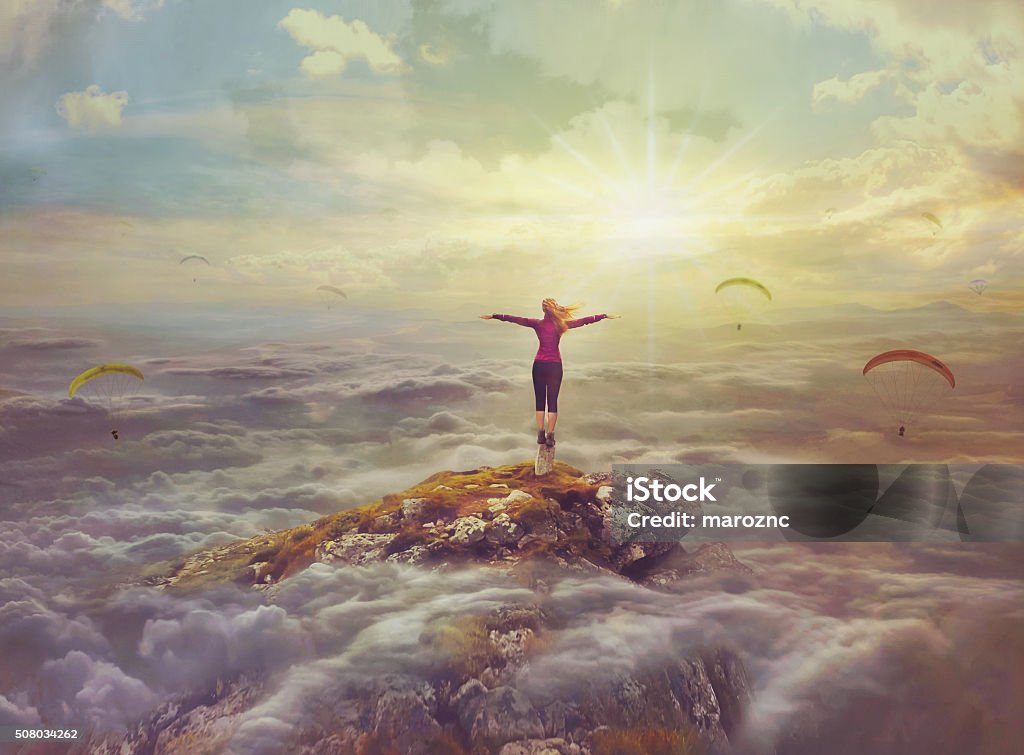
338 426
17 713
335 41
97 693
847 91
92 109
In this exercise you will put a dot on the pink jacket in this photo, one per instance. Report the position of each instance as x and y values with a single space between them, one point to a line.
548 333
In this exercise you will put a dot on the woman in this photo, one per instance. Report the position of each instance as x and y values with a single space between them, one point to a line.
547 364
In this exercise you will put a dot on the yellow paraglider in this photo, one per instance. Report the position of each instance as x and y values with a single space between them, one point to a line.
930 217
108 382
743 305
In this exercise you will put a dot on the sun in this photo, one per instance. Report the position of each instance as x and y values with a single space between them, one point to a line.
652 222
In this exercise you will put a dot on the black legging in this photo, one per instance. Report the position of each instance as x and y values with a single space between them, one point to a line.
547 379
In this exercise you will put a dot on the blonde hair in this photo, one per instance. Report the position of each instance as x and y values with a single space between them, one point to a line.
561 314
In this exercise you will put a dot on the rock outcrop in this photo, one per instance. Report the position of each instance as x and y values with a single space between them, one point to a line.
534 530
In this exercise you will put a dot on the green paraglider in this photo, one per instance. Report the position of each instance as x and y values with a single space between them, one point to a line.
743 305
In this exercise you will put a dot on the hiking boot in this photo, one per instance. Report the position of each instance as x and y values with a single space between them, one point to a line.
550 440
540 438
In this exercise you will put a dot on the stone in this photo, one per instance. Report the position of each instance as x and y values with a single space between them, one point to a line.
503 714
412 508
514 497
404 715
504 531
417 554
545 461
468 529
354 548
604 493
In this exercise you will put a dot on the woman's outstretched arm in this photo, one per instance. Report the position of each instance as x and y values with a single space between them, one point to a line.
525 321
589 320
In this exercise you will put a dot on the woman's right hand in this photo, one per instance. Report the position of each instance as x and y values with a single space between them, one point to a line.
486 317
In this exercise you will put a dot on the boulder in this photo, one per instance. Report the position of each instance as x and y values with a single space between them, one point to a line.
354 548
417 554
504 531
387 522
502 715
404 715
468 529
412 508
514 497
465 701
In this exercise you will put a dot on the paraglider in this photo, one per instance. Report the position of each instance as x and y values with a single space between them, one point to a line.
111 384
930 217
194 259
908 383
330 294
742 296
829 213
978 285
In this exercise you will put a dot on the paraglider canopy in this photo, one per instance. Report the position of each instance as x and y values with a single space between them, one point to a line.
332 290
930 217
194 257
744 282
110 383
978 285
103 369
909 355
743 298
908 383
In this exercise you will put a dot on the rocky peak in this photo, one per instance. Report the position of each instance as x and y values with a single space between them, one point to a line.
532 528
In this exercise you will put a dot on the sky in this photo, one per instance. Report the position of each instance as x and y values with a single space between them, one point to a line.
441 160
447 152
